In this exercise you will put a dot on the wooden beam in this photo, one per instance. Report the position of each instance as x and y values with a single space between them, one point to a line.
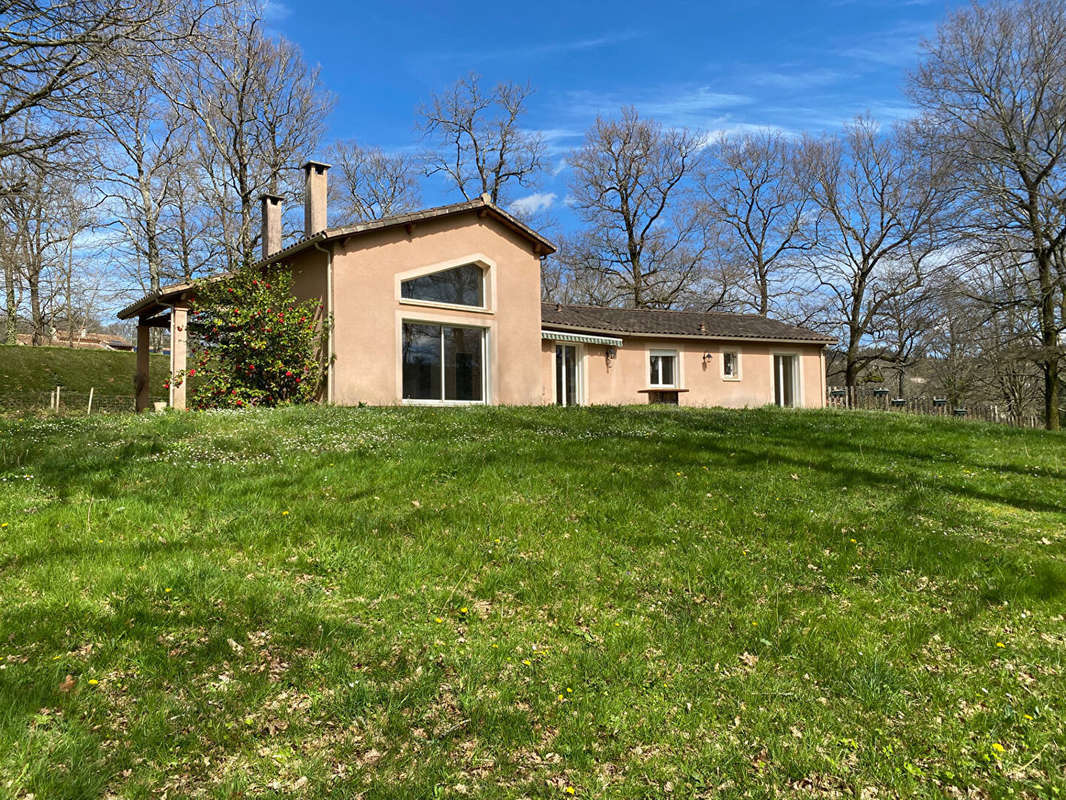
141 385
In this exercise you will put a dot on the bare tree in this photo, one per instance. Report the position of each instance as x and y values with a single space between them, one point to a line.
145 149
903 330
43 221
371 183
992 83
258 110
481 146
757 187
887 217
53 57
644 238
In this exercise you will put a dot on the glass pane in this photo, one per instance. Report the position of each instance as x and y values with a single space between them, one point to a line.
667 366
560 381
730 365
421 362
462 363
653 380
570 365
462 286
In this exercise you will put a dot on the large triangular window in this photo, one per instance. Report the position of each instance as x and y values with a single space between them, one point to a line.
459 286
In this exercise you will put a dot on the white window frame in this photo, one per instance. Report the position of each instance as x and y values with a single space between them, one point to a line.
488 286
739 373
677 369
486 381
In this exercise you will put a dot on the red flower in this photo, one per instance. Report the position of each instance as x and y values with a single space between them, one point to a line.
192 372
288 373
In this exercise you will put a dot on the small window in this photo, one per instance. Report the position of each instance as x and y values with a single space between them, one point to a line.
459 286
731 366
663 368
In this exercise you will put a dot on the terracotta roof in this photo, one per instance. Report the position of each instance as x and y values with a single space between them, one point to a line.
678 324
157 302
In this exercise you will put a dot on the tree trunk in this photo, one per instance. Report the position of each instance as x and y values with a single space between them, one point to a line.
11 303
1049 339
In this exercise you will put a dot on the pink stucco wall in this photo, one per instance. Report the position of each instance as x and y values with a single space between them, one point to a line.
369 312
620 380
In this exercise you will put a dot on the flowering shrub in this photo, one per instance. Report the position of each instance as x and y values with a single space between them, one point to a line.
252 343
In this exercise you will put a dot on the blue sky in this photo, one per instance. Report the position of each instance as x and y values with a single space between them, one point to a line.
798 66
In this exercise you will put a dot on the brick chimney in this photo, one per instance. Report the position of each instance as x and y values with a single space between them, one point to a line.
314 197
270 207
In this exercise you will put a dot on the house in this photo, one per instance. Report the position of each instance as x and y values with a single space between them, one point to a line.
83 340
442 306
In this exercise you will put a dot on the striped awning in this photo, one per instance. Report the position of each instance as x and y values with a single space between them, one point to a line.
584 338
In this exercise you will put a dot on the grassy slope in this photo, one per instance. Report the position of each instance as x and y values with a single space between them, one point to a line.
30 373
510 603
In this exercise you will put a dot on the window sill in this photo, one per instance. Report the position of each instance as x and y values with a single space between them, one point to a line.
730 379
661 389
407 301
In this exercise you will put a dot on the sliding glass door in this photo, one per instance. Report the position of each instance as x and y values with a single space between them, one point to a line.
443 363
786 374
566 375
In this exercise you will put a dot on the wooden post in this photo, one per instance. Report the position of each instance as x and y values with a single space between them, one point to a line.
89 411
57 398
179 344
141 386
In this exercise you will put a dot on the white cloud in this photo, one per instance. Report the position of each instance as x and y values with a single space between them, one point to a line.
275 11
532 203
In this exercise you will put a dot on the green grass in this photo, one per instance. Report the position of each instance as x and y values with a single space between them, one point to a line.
630 603
29 374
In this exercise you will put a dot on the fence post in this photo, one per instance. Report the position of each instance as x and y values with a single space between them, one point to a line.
89 411
58 390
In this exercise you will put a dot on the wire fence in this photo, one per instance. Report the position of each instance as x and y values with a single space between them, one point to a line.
882 400
67 403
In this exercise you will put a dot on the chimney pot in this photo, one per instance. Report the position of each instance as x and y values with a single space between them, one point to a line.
314 197
270 205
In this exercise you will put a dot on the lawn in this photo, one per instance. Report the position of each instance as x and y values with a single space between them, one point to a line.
538 603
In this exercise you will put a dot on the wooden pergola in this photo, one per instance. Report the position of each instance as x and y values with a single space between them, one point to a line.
167 308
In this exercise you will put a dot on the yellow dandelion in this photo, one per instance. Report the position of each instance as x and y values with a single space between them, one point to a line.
526 661
3 524
167 590
1027 716
93 681
997 748
438 619
570 790
284 513
569 690
462 610
1000 644
852 541
560 697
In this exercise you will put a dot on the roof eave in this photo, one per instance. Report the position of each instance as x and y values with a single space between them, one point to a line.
692 336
